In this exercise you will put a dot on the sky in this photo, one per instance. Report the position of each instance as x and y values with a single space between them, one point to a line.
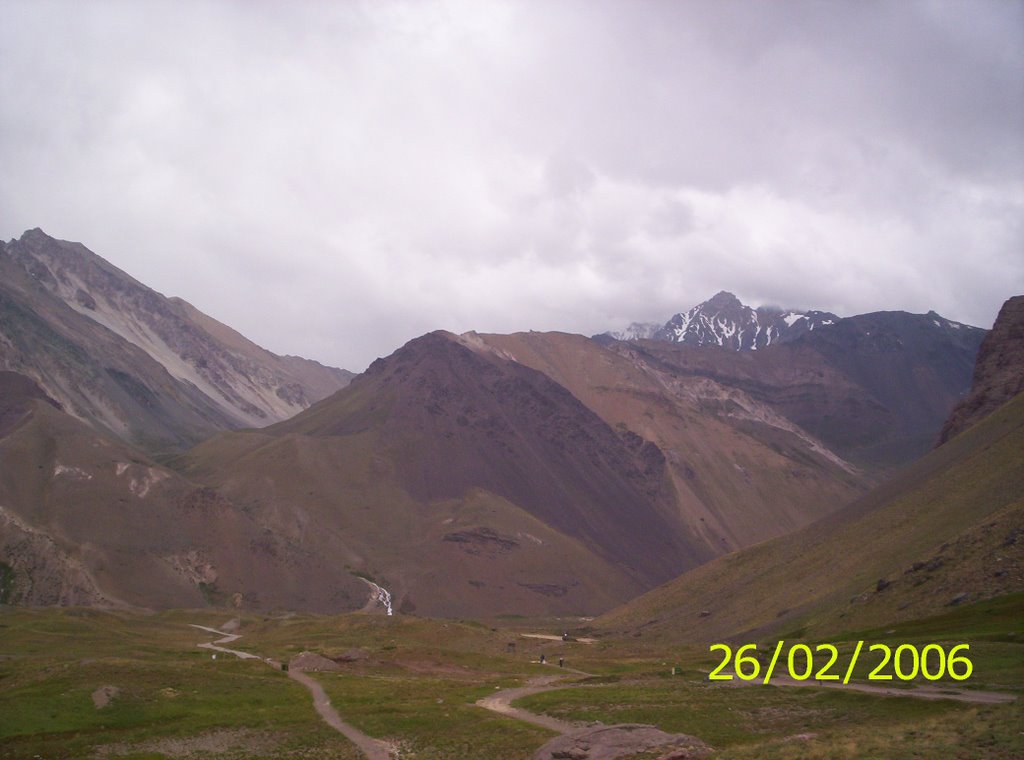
334 179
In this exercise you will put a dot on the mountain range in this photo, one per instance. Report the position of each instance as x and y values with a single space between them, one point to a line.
151 456
875 388
946 531
723 320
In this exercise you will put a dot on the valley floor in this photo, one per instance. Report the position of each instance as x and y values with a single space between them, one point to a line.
80 683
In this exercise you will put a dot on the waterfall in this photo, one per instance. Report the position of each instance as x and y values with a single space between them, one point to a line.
379 594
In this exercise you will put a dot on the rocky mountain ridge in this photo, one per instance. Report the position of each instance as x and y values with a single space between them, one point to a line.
723 320
153 370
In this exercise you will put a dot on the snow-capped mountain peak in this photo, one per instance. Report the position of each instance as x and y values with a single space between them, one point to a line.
723 320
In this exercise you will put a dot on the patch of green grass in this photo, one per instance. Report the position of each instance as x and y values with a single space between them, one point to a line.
414 681
990 732
725 715
52 661
433 716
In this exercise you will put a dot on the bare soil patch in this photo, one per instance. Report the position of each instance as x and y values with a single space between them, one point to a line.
624 740
311 662
103 696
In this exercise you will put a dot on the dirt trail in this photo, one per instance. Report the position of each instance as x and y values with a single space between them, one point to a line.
595 741
552 637
501 702
228 638
373 749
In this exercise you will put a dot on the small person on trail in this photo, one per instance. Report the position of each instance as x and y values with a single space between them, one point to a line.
561 662
542 660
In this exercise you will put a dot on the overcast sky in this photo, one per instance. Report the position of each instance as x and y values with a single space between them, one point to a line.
336 178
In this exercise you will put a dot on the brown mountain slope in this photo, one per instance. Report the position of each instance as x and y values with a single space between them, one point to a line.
874 388
154 371
998 374
741 472
470 483
944 531
86 520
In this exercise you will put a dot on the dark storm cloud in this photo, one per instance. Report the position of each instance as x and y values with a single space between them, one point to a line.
334 179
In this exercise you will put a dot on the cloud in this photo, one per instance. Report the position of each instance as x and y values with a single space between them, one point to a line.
335 179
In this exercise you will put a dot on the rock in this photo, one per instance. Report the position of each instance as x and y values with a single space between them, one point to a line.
103 695
620 741
313 662
231 626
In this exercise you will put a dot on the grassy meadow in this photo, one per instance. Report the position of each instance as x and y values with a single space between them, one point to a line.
414 682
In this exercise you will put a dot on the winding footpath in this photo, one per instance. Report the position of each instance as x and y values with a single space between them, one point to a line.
373 749
501 702
594 740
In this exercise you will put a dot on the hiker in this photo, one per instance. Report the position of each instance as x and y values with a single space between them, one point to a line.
561 662
542 660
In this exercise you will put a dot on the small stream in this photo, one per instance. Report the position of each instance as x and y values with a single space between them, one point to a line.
381 595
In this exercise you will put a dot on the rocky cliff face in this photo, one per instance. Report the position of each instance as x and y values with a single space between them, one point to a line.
998 373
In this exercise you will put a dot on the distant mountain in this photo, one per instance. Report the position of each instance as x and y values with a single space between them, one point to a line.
636 331
724 320
874 388
153 371
999 373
